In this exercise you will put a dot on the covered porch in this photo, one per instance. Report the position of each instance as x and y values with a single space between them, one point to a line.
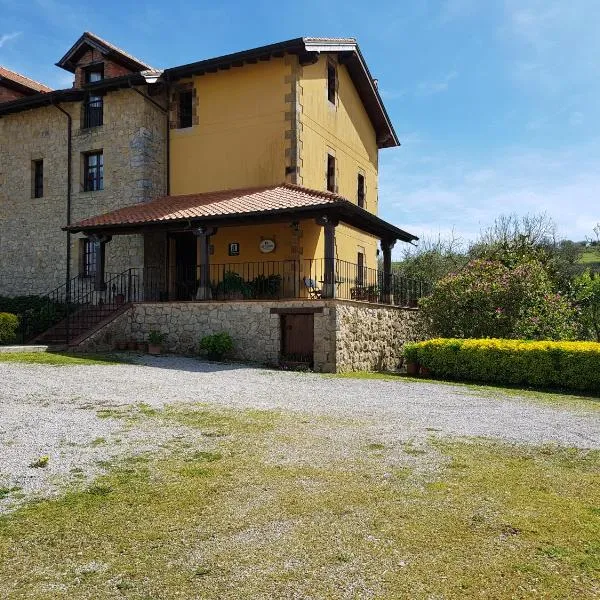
272 243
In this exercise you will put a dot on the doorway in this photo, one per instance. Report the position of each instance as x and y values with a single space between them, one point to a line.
182 266
297 340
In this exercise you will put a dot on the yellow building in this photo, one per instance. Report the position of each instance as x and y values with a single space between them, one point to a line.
302 120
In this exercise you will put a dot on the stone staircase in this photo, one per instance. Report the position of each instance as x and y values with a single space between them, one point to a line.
80 325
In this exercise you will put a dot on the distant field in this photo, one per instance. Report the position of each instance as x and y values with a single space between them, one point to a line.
590 259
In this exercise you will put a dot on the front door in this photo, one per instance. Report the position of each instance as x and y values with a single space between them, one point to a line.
183 274
297 339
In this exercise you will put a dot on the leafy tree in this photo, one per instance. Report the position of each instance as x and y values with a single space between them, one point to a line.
489 299
586 288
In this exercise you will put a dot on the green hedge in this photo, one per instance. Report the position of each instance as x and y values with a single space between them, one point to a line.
569 365
8 327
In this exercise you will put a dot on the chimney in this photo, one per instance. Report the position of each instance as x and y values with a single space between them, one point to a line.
376 83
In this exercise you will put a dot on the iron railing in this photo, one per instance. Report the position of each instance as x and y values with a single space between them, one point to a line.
93 113
275 280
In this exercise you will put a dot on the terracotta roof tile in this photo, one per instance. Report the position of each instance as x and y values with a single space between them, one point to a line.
22 80
214 204
106 43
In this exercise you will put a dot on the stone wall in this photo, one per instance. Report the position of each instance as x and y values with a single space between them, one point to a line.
371 337
32 244
349 336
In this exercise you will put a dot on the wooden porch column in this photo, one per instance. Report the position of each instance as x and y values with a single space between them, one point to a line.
386 247
100 241
203 234
329 280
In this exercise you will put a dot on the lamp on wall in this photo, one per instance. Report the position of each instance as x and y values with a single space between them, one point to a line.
295 226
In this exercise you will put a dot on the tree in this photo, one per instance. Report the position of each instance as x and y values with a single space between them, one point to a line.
586 289
432 259
489 299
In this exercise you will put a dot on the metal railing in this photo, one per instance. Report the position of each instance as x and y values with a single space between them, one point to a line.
277 280
93 113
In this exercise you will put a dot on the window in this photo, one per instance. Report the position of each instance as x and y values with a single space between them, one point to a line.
93 171
89 258
331 82
94 74
330 173
93 112
186 112
360 268
360 192
38 178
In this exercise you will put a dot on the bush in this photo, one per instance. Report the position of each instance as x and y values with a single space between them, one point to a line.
36 313
586 289
216 346
489 299
156 338
570 365
8 328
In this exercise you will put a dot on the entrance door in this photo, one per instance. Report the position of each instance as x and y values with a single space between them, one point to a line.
183 276
297 338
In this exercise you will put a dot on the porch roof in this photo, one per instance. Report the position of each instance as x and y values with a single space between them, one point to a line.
240 206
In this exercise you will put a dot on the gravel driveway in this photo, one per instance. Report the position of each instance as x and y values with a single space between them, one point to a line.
53 411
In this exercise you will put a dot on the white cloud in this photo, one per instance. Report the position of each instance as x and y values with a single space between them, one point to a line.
429 88
7 37
450 194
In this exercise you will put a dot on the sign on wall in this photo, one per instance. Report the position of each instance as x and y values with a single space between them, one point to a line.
234 249
267 246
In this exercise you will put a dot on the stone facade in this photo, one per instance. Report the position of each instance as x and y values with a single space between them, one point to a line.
349 336
32 243
371 337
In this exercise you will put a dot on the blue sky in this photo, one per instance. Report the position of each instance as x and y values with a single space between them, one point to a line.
496 103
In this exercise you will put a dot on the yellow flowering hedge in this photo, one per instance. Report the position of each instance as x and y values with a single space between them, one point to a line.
570 365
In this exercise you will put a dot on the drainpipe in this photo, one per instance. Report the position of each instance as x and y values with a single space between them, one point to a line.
69 177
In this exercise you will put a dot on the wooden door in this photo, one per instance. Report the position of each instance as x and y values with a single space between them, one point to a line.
297 333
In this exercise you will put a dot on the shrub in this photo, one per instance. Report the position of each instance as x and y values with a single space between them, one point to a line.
156 338
570 365
587 295
489 299
216 346
8 328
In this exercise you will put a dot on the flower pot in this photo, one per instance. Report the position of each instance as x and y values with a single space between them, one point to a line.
131 345
425 371
412 368
154 348
121 345
141 346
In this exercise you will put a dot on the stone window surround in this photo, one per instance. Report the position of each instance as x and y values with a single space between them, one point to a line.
174 104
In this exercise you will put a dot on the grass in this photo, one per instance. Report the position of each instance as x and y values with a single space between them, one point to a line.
58 359
256 515
590 257
557 398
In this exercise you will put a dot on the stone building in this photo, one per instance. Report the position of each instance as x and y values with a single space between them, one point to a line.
113 134
250 178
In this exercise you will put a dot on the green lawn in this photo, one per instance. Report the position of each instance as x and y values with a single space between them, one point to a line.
52 358
282 506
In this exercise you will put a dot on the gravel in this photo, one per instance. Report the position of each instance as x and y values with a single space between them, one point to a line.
52 411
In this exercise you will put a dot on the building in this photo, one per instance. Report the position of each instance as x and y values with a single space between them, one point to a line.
248 176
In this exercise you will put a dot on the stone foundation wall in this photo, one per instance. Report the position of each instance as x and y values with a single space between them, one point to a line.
349 336
371 337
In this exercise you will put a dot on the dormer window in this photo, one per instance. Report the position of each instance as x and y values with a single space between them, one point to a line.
95 73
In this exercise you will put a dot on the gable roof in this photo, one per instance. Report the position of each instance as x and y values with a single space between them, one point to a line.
91 40
24 84
232 206
308 49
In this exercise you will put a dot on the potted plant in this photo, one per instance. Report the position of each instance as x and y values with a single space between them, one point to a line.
155 341
216 346
412 359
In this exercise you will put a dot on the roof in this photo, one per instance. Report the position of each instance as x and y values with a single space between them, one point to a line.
227 206
308 49
21 81
89 39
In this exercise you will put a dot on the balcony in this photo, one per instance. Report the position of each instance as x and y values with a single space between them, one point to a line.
93 113
310 279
